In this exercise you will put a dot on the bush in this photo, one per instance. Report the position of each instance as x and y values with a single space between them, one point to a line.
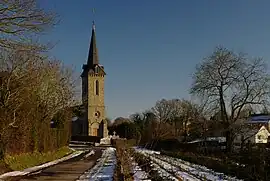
34 90
4 167
123 169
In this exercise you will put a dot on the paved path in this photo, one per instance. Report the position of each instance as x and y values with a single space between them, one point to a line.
69 170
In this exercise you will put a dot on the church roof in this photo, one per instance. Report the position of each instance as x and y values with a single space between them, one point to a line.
93 59
93 51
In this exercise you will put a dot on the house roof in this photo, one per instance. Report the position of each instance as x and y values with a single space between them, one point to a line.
259 119
219 139
263 130
93 59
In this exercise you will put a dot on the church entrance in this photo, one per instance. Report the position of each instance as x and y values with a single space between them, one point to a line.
101 129
95 132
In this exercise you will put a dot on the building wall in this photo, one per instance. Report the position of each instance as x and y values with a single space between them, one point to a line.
84 89
262 136
96 106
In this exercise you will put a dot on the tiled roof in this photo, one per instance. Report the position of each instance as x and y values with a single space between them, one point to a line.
259 119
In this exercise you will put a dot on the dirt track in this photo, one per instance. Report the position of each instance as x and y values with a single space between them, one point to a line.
69 170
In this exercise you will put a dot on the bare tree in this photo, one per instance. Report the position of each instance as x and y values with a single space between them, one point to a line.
20 19
146 126
232 81
162 110
138 120
167 114
176 115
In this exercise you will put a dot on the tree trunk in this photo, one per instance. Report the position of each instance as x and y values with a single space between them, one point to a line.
242 144
2 148
138 140
175 129
228 141
224 118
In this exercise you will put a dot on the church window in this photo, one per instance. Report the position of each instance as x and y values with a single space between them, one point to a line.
97 87
97 114
96 69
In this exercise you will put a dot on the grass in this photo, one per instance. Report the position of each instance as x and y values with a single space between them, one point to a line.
26 160
4 167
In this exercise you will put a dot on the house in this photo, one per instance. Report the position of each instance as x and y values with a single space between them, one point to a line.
262 135
254 130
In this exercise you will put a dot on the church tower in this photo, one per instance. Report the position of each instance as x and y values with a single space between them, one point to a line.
93 76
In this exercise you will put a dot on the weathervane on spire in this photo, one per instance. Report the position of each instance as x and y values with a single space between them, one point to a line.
93 22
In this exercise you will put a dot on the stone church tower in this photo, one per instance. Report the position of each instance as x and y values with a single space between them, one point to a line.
93 93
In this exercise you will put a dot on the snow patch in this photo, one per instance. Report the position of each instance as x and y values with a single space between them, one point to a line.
183 169
104 169
92 152
139 174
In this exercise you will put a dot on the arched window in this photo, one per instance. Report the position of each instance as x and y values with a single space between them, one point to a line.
97 87
96 69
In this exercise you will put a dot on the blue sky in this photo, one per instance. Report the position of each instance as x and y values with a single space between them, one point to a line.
150 48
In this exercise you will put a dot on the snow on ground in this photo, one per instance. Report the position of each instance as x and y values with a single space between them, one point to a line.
166 170
92 152
163 172
173 169
143 150
139 174
194 169
104 168
182 169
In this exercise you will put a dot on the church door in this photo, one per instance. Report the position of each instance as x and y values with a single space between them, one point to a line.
95 132
101 129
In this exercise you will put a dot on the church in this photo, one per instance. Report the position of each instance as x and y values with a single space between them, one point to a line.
92 122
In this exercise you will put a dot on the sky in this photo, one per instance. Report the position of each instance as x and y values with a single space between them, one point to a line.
150 48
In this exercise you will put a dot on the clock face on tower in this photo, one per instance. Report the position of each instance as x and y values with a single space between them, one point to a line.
97 114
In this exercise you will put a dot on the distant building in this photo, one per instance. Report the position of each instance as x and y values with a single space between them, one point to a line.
255 130
93 122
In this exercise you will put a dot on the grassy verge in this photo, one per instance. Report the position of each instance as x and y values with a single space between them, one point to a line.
4 167
123 171
26 160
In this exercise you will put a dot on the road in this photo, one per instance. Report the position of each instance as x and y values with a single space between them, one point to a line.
69 170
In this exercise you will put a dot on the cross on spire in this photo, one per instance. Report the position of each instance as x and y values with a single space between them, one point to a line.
93 22
93 25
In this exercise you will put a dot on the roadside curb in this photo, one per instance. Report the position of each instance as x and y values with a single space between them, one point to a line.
40 167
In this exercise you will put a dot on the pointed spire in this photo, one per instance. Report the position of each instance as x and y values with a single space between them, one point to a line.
93 52
93 26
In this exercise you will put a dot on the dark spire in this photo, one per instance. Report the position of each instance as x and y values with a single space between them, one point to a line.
93 52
